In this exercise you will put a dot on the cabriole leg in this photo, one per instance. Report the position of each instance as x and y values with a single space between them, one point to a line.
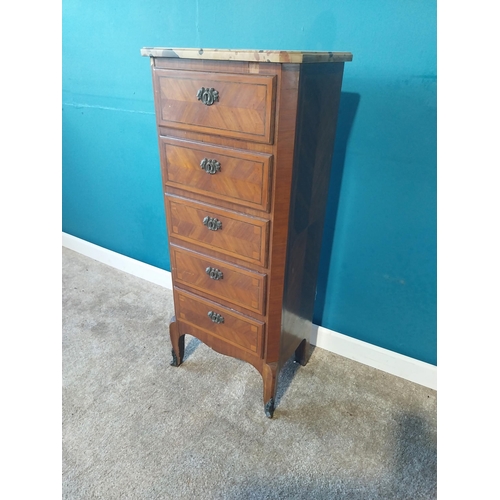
177 343
269 375
302 353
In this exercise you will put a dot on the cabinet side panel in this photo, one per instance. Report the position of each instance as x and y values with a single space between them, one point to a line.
319 96
285 136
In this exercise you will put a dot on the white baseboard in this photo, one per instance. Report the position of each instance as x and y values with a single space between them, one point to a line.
388 361
118 261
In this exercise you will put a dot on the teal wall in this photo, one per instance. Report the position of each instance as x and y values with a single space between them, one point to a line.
378 265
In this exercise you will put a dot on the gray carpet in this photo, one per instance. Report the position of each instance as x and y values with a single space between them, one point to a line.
136 428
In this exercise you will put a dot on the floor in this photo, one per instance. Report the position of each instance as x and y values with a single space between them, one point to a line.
135 427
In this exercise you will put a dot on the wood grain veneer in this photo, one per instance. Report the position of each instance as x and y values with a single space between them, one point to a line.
225 282
243 177
242 331
242 237
246 110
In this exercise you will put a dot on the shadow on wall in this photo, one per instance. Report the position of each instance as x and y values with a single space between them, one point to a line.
349 102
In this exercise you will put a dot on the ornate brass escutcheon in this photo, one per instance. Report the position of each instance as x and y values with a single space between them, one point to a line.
207 95
215 317
212 223
215 274
210 166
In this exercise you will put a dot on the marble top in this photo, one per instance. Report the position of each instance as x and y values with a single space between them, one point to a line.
271 56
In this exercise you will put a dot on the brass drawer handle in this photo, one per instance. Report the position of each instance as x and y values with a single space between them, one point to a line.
212 223
215 274
210 166
215 317
207 95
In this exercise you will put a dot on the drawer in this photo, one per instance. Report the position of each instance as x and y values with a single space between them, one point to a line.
240 177
230 233
222 104
219 279
218 321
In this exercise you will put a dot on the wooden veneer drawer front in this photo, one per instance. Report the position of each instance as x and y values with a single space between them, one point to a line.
239 106
219 321
219 279
230 233
233 175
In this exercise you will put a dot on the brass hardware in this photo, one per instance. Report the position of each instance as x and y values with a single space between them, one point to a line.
207 95
215 317
212 223
215 274
210 166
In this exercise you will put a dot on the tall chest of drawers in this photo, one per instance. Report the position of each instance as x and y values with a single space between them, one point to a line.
246 143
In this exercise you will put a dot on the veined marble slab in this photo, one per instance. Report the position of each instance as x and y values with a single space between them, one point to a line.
272 56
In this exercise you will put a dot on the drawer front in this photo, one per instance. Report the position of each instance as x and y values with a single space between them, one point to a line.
227 232
236 176
223 104
221 322
220 279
